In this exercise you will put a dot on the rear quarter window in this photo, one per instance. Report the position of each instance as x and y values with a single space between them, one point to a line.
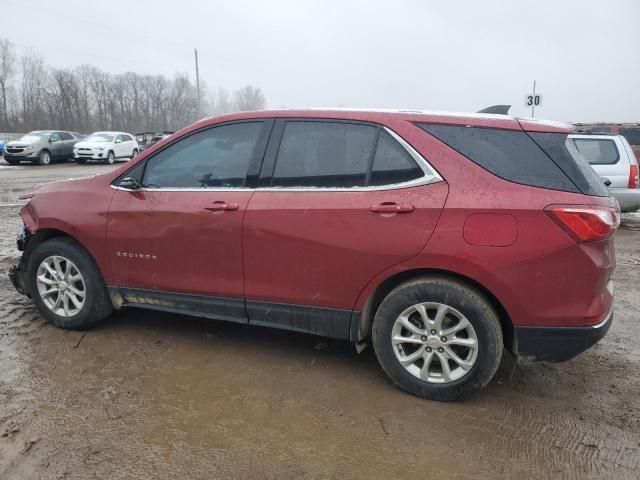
536 159
511 155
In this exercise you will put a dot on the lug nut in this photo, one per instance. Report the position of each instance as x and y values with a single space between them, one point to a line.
444 339
429 349
441 349
433 332
423 338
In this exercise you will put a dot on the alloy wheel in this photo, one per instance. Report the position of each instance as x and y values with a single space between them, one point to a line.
434 342
61 286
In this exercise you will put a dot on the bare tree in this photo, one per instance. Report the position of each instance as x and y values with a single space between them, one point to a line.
249 98
7 61
85 98
220 102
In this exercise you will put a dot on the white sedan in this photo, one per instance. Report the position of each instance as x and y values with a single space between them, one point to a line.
106 146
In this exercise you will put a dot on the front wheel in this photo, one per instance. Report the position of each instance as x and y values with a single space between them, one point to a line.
66 285
44 158
437 338
134 153
111 158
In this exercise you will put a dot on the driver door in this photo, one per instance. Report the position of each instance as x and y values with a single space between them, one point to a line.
56 146
182 231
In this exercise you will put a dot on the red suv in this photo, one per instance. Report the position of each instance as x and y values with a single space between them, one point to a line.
440 238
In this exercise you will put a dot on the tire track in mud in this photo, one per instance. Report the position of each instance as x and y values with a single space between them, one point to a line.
535 437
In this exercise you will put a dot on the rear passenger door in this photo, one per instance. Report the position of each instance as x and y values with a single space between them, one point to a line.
338 203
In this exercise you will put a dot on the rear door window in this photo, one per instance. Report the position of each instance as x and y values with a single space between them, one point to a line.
216 157
66 136
324 154
392 164
598 151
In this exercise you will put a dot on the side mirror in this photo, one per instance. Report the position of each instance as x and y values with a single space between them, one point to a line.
130 183
118 140
53 140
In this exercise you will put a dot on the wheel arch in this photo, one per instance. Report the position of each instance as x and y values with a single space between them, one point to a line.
44 234
361 328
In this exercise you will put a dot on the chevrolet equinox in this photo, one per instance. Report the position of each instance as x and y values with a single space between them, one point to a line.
441 239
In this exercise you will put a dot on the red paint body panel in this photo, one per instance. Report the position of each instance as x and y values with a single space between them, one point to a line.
490 230
322 248
328 249
191 249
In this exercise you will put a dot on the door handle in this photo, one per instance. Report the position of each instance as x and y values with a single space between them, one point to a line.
392 207
221 206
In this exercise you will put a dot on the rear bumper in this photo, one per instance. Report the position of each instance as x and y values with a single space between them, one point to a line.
558 344
628 199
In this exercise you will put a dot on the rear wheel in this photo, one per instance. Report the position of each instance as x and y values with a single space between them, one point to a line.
111 158
437 338
44 158
66 285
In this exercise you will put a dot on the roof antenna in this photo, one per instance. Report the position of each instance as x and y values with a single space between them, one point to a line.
497 109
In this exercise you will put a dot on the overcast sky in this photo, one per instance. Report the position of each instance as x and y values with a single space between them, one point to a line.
437 55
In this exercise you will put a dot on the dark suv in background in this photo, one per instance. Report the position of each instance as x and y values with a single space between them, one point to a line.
41 146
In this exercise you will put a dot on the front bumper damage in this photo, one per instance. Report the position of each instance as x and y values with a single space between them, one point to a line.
17 272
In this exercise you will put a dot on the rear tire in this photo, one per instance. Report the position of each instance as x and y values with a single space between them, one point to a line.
472 353
66 285
44 158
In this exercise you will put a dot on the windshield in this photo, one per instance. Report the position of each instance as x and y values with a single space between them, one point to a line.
99 137
34 137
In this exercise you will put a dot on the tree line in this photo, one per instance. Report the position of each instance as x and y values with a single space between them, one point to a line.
84 98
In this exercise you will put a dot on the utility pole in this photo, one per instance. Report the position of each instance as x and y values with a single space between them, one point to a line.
195 51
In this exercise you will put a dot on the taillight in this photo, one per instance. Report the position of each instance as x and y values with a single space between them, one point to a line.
633 177
585 223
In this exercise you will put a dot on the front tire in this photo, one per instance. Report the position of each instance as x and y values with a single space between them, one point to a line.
66 285
134 153
437 338
111 158
44 158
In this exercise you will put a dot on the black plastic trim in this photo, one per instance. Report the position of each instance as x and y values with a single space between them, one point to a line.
218 308
327 322
559 344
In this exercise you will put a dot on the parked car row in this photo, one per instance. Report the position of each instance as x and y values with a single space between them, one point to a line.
47 146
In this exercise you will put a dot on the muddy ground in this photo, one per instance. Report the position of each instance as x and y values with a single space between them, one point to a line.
149 395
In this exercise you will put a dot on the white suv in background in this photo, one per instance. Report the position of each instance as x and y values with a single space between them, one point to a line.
613 159
106 146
